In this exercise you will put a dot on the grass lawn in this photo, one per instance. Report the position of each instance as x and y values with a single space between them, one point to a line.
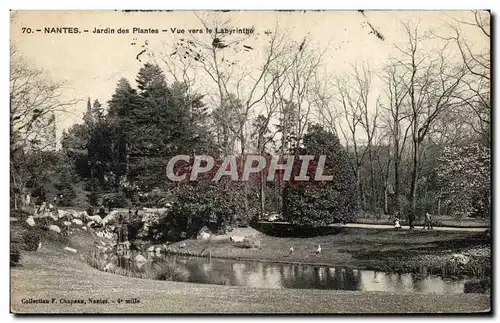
337 249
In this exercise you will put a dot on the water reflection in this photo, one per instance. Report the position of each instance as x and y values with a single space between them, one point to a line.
272 275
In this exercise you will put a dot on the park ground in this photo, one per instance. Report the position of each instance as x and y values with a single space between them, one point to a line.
55 273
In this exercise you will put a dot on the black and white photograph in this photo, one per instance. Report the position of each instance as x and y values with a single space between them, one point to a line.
250 162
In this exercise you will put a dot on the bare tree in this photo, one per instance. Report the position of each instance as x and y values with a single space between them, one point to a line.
358 124
397 118
478 65
34 102
433 87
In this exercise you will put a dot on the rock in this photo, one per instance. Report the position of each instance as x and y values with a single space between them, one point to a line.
39 245
30 221
84 228
237 239
140 259
13 219
67 223
203 236
110 217
95 218
158 250
54 228
77 222
70 249
183 245
151 249
90 224
273 217
62 213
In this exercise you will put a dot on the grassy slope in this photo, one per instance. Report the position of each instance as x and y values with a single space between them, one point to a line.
51 273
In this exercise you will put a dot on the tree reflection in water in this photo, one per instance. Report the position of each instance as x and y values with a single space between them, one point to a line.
275 275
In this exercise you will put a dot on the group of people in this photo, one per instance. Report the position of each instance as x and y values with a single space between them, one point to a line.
427 222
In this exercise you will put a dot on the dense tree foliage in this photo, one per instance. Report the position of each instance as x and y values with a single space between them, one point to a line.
318 203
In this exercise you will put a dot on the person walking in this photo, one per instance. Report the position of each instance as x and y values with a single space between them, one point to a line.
428 221
410 220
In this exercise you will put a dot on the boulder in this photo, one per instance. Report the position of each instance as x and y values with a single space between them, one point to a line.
61 213
151 249
183 245
71 249
140 259
158 250
95 218
54 228
203 236
237 239
83 215
30 221
67 223
110 217
84 228
90 224
77 222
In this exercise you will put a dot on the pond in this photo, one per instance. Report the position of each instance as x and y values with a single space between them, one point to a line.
276 275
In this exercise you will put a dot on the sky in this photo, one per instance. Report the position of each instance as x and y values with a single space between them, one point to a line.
91 64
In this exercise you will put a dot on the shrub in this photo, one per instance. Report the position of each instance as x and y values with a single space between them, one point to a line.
15 254
115 200
31 240
202 204
478 286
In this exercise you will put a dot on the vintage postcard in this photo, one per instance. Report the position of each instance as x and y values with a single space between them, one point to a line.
250 162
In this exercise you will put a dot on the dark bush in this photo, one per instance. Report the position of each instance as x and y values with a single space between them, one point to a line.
134 226
318 203
31 240
203 204
478 286
15 254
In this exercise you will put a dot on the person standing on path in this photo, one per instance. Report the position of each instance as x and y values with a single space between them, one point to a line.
428 221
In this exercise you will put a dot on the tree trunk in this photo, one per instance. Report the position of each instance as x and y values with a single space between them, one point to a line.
414 176
439 207
396 168
386 202
262 197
